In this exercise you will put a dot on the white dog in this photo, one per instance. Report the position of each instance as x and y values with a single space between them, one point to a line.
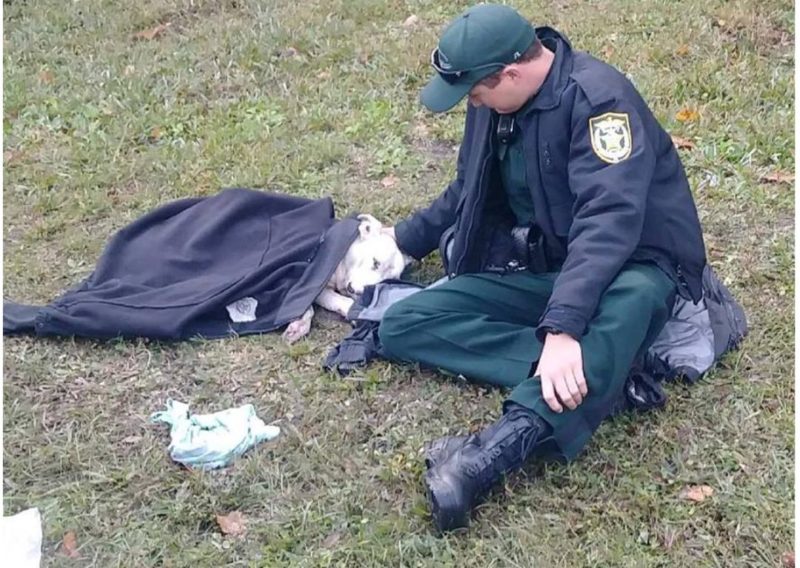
372 257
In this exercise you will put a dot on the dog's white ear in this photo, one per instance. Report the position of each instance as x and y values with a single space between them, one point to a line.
369 226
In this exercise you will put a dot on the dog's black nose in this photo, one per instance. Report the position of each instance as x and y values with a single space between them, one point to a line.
350 288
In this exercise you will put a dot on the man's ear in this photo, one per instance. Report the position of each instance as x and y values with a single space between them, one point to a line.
368 226
512 71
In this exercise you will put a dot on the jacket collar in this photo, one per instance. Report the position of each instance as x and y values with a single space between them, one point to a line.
554 84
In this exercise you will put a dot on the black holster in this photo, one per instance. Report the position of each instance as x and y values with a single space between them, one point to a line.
507 249
530 247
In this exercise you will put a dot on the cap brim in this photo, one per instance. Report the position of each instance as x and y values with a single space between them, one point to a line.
439 95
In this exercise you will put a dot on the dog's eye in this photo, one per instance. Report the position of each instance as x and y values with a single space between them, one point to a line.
376 264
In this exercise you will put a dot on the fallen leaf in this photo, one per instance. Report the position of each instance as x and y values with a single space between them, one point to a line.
69 544
697 493
389 181
46 77
607 51
682 50
687 115
332 539
152 33
682 143
411 21
778 177
787 559
232 524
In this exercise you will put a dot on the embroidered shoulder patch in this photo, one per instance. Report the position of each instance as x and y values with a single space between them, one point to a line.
611 136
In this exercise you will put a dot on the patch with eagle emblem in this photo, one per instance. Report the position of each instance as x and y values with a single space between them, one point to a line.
611 136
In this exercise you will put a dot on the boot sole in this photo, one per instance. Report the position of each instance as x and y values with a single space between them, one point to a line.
443 499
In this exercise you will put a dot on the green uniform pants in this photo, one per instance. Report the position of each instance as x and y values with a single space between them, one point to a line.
482 326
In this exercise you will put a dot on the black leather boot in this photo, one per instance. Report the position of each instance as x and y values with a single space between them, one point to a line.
439 450
459 482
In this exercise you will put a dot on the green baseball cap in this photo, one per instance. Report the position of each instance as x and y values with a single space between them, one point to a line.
479 42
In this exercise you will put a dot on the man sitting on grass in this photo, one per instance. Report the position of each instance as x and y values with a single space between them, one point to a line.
573 228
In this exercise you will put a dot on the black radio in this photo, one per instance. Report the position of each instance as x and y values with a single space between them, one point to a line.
506 128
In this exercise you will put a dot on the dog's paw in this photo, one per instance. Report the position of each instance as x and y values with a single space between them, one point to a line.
344 305
296 330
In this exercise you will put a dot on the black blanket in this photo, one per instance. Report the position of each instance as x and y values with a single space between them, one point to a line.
171 273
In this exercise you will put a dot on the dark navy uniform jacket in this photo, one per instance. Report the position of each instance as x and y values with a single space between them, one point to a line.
606 181
172 273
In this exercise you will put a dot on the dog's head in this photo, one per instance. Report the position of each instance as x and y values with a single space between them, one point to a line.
372 257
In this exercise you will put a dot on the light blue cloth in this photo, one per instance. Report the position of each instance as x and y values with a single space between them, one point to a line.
208 441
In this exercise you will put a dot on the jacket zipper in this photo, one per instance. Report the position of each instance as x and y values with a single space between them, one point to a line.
480 180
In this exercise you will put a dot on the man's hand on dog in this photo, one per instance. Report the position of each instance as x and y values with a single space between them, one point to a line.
560 370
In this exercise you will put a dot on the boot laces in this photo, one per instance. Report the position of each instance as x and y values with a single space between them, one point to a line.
509 453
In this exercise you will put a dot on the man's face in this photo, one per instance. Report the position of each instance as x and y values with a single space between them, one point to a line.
505 97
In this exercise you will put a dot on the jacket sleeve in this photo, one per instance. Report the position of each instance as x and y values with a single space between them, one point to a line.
610 193
419 234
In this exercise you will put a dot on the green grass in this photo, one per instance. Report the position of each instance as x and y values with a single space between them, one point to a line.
320 98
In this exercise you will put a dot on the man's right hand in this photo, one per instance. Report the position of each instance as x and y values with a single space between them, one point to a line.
560 370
